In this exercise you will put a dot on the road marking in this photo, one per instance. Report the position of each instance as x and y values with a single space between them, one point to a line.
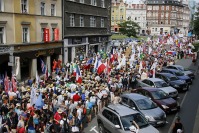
93 129
196 128
170 129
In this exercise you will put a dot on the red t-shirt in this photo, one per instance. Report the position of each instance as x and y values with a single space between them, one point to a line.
76 98
57 117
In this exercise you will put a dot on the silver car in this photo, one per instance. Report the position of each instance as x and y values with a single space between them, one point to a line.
116 118
154 114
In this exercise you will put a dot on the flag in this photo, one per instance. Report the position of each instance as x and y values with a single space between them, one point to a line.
74 69
88 63
101 67
33 96
43 66
37 78
17 64
39 103
14 84
6 83
47 72
96 63
78 75
140 67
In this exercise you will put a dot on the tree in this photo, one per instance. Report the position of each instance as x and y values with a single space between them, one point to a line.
196 22
129 28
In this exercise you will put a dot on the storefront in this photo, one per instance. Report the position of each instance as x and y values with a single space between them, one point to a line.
30 57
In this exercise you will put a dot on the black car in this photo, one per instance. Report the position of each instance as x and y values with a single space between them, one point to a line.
178 74
173 81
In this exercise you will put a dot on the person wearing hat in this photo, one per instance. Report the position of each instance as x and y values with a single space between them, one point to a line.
57 118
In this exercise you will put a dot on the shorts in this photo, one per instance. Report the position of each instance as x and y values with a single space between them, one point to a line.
88 111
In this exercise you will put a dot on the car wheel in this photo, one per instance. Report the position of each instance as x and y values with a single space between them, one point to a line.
101 128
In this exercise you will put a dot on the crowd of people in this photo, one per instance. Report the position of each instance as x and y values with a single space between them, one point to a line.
65 100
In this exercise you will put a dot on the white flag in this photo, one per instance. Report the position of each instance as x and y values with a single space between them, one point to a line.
37 78
17 61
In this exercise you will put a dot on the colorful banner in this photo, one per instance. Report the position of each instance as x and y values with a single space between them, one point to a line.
56 34
46 35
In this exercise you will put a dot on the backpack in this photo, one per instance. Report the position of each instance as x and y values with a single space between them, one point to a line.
47 129
84 111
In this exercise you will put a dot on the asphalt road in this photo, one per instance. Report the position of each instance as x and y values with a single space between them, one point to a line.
189 105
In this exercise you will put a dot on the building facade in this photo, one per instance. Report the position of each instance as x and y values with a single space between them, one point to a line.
137 13
118 14
30 31
86 27
167 16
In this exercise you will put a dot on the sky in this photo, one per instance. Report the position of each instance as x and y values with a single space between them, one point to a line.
137 1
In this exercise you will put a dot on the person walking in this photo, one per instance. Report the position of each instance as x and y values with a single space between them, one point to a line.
178 126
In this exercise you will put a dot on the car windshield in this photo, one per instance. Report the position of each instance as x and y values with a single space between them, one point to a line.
138 118
173 78
180 68
158 95
145 104
179 74
160 84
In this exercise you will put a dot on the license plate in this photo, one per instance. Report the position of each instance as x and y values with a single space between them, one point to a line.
184 89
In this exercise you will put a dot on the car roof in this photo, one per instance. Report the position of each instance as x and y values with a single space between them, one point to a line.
167 74
172 70
134 96
154 79
121 109
176 65
150 89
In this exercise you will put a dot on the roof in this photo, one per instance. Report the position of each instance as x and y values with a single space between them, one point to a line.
154 79
167 74
121 109
150 88
172 70
176 65
134 96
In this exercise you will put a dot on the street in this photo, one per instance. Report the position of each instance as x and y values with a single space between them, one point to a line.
189 102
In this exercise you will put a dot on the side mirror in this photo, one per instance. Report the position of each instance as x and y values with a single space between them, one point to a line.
117 126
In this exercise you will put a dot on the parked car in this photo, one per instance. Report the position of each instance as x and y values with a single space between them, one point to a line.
162 99
178 73
183 70
154 114
116 118
173 81
161 84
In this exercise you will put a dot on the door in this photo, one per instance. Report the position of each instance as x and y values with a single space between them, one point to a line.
69 54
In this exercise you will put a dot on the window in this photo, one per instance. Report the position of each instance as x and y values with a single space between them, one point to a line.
53 34
94 2
42 8
162 7
42 34
102 22
125 100
2 35
72 20
81 1
135 18
167 7
92 21
24 6
52 9
25 34
102 3
1 5
81 21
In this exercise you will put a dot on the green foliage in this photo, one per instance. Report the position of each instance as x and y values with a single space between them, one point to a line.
196 23
129 28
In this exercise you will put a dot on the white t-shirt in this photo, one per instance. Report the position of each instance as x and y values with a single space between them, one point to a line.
79 113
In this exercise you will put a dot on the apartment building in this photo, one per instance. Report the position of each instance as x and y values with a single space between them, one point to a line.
167 16
30 30
86 27
118 14
137 13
